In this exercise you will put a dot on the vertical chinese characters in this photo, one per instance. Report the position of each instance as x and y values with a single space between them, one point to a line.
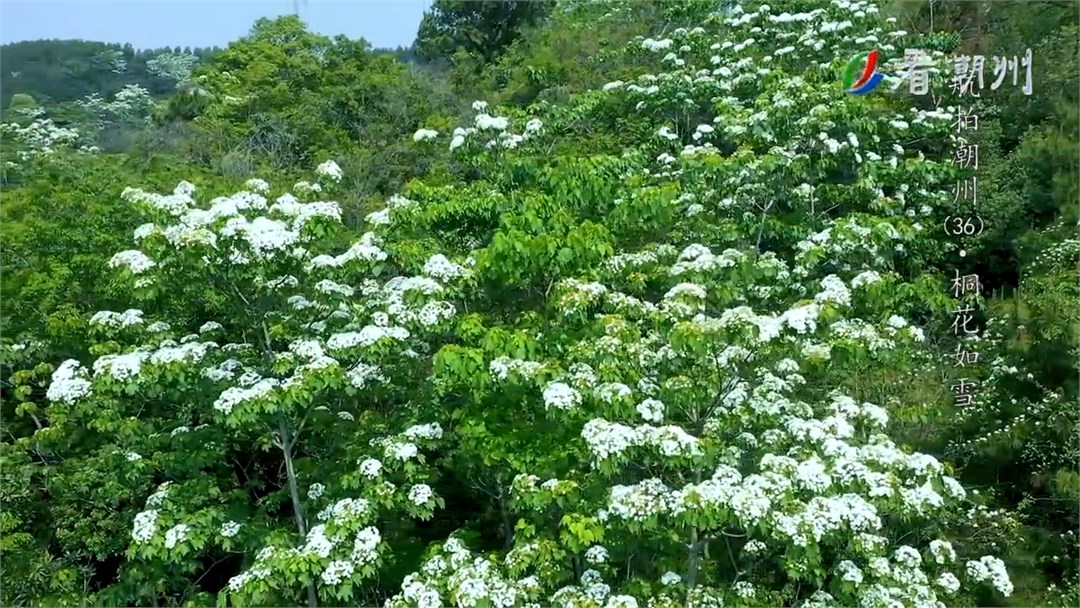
965 288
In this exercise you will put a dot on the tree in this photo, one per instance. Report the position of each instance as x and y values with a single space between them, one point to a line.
21 101
293 389
482 29
692 324
662 322
283 95
174 67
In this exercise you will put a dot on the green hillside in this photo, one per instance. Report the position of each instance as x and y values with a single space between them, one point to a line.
591 304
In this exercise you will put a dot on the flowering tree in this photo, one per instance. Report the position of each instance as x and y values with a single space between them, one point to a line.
656 331
330 353
130 105
174 66
709 385
40 136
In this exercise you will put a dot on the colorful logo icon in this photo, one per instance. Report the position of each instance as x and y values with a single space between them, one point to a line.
859 75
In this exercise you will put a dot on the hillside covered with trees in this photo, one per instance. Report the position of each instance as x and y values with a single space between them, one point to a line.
57 71
590 304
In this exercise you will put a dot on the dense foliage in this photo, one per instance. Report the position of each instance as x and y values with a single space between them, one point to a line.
609 304
55 71
475 29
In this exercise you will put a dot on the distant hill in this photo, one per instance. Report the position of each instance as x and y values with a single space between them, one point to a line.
56 71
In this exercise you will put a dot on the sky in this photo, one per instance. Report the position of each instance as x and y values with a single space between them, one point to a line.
203 23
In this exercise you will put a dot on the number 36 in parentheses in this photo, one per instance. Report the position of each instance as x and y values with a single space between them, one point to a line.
966 226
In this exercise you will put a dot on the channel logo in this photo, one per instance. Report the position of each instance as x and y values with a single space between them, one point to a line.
859 75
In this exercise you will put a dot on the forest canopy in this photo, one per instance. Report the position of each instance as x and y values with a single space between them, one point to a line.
602 304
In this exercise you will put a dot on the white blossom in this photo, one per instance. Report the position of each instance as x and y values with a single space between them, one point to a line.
425 135
596 555
560 396
134 260
176 534
370 468
229 529
329 169
145 526
68 383
420 494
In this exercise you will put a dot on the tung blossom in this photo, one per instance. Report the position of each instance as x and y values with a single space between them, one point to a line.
134 260
330 169
425 135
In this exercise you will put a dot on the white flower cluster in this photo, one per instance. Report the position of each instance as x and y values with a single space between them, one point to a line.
408 310
159 495
304 187
367 336
257 185
235 395
145 526
560 396
175 535
502 367
421 494
330 169
134 260
441 268
698 258
174 204
431 431
229 529
264 236
455 573
112 319
596 555
867 277
575 296
425 135
238 582
484 122
121 367
226 217
367 248
990 569
345 509
401 451
42 137
651 410
69 383
370 468
337 572
317 544
175 66
361 374
302 213
833 290
592 591
610 439
329 287
132 101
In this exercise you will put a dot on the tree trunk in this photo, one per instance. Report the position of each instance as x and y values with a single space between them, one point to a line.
294 493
